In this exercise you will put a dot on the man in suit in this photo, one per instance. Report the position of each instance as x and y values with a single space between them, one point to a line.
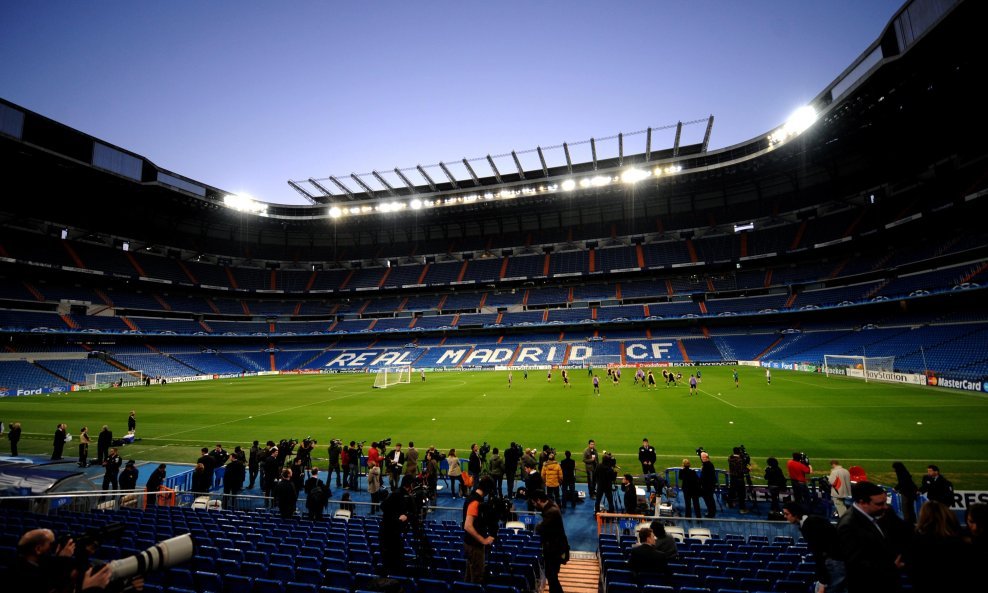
395 463
821 537
870 539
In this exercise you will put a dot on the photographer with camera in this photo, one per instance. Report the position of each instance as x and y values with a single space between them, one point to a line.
335 450
474 464
42 566
477 531
736 470
798 467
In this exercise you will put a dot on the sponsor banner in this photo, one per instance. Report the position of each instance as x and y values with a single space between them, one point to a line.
894 377
963 499
189 379
853 372
964 384
4 392
301 372
705 363
749 363
263 373
788 366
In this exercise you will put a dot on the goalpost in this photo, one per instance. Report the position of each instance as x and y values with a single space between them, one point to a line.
389 376
128 378
859 367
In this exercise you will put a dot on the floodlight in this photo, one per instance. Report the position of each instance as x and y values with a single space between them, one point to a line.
633 175
416 204
801 119
244 203
600 180
584 182
568 185
335 212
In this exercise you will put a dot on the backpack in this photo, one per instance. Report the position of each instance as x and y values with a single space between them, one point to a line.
317 497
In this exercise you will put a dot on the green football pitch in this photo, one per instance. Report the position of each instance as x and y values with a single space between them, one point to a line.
866 424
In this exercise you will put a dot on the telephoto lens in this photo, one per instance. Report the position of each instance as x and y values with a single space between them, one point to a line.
165 554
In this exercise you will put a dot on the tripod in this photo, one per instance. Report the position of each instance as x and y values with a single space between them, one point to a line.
749 492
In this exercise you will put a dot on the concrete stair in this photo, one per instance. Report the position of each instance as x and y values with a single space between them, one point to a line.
581 574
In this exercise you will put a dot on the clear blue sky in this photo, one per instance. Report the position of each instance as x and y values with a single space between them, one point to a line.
245 95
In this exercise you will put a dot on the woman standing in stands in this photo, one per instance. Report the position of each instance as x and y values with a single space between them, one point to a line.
84 441
455 474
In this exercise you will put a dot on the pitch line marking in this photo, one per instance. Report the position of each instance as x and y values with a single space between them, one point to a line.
717 398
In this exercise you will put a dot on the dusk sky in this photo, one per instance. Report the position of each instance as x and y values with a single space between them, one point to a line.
246 95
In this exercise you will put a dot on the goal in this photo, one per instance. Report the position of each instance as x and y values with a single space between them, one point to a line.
130 378
389 376
859 367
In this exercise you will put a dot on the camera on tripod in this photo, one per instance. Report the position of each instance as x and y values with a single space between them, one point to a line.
384 443
745 457
803 459
484 450
700 450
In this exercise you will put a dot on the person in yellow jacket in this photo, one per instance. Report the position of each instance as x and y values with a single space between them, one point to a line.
552 475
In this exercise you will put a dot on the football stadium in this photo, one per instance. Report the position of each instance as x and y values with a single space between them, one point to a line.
813 296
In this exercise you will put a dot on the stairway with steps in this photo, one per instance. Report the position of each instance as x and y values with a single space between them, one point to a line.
580 575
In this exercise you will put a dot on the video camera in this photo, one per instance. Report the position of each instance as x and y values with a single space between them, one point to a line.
745 457
484 450
804 459
700 450
384 442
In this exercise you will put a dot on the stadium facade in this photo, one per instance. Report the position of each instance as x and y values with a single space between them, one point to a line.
862 235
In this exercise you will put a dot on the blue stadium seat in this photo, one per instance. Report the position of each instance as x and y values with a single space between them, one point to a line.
338 578
301 588
180 577
462 587
234 583
208 581
622 588
268 586
253 569
281 572
433 586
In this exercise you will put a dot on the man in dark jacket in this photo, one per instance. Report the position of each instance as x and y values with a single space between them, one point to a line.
568 465
868 538
286 495
555 546
129 475
335 449
254 463
233 481
58 442
708 484
937 487
821 538
103 443
590 462
112 465
511 458
689 483
14 436
604 478
155 482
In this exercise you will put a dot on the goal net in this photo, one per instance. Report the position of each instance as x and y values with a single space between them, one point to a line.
868 368
389 376
112 378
